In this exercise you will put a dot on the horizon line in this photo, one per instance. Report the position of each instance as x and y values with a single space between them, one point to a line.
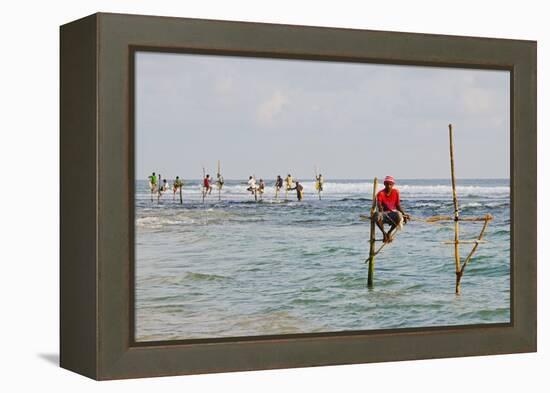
353 178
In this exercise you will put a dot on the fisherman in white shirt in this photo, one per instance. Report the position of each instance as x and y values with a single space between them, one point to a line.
251 185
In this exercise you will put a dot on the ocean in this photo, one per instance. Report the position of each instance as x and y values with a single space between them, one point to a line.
236 267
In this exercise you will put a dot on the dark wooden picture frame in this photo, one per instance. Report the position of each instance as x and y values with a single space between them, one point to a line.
96 313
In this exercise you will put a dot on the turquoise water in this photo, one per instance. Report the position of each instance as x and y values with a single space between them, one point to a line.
235 267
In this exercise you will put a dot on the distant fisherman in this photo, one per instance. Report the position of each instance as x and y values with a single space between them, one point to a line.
299 190
278 183
219 180
261 187
153 182
389 209
288 182
319 183
207 188
177 185
251 185
164 186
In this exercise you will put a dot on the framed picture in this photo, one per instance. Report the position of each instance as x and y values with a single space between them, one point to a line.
242 196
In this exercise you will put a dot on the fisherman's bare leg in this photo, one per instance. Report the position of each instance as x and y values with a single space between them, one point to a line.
396 223
391 233
380 224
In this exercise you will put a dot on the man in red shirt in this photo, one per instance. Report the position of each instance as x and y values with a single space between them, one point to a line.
389 209
207 187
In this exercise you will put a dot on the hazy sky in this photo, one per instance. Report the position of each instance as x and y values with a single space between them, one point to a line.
271 116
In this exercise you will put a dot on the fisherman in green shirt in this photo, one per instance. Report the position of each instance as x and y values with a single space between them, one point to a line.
153 182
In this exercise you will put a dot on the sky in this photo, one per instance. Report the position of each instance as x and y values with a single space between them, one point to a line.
266 117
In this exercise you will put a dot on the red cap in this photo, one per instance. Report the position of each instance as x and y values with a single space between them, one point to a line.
389 179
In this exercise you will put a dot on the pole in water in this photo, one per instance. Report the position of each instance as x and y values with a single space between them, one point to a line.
255 189
219 182
317 182
203 188
158 188
456 216
152 188
372 240
181 193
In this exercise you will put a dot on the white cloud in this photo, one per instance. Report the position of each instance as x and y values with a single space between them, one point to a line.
476 100
224 84
270 109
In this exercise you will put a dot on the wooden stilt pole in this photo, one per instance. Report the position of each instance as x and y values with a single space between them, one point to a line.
433 219
158 188
372 252
475 241
181 194
203 188
456 217
219 184
479 240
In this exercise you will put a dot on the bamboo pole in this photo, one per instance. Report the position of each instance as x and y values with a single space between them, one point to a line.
181 193
203 188
475 241
449 218
380 248
372 241
219 184
456 217
158 188
435 219
474 248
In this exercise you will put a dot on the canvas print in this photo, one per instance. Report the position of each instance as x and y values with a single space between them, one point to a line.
283 196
